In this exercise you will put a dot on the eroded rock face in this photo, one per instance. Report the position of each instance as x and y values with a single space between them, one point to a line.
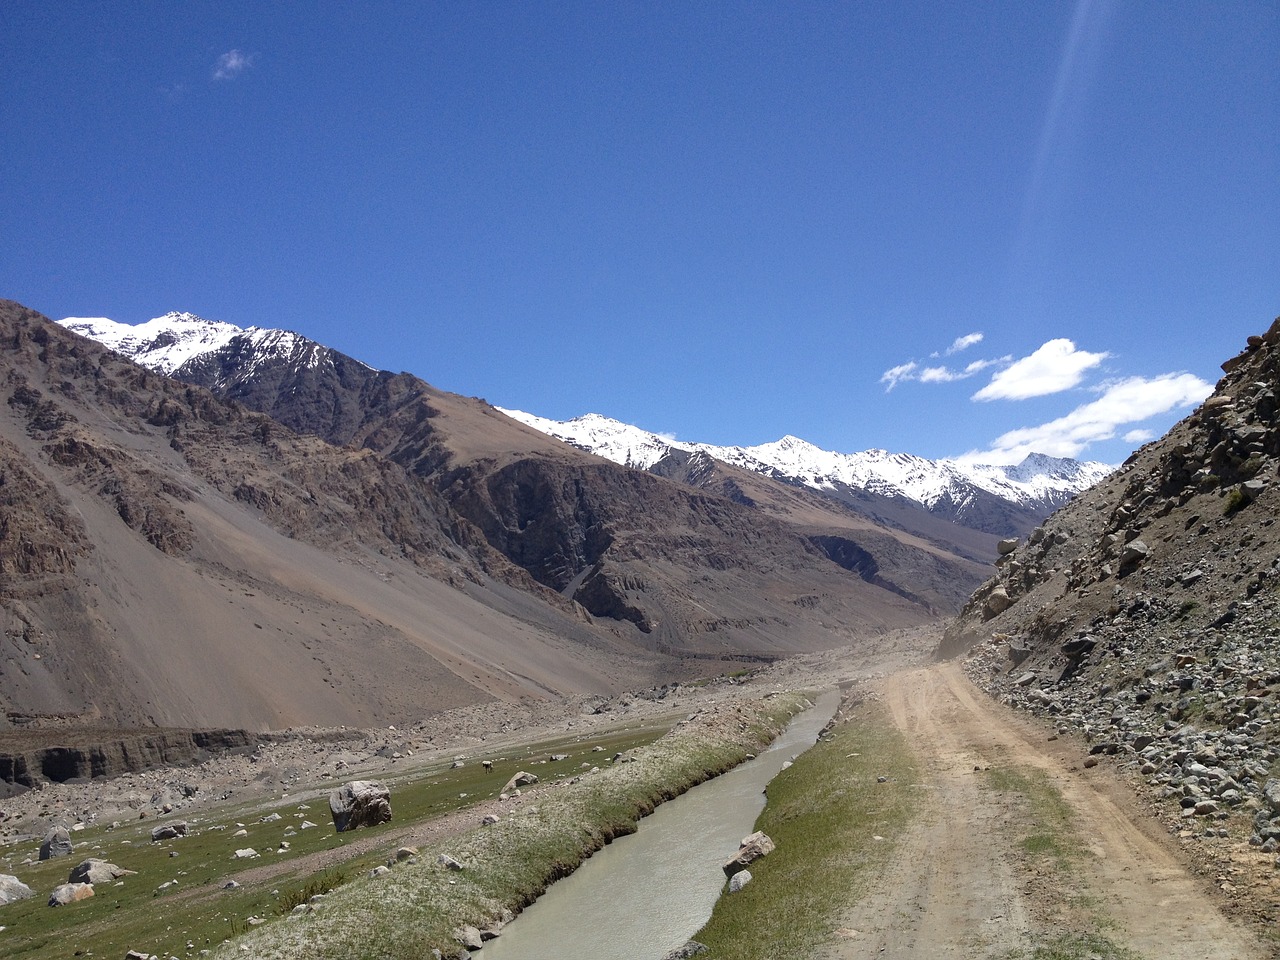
1145 615
360 803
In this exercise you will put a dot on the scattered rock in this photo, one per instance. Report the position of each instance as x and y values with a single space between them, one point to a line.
690 949
750 850
66 893
57 843
169 831
469 937
12 889
521 779
94 870
739 880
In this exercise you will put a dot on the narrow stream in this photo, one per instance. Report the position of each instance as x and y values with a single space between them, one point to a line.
647 894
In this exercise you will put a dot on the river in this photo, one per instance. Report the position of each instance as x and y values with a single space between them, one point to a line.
646 894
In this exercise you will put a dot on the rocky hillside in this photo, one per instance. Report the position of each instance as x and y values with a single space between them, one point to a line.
1145 613
174 559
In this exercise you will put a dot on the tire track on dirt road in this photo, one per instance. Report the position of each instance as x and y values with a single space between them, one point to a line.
958 884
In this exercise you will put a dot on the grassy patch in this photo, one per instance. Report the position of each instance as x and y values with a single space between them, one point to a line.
1054 837
824 813
1072 946
175 898
1054 846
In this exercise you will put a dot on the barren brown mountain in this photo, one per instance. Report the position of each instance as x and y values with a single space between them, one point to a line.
171 558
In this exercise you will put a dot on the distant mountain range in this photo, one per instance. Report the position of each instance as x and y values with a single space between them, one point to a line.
1040 483
999 500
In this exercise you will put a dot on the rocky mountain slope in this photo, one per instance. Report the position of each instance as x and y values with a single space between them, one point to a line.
170 558
1145 612
503 477
1001 500
377 549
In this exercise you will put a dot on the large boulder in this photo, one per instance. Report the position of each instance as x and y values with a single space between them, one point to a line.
66 893
12 889
95 870
521 779
750 850
57 843
169 831
360 803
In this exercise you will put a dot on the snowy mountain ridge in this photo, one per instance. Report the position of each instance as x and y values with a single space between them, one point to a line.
167 344
1036 480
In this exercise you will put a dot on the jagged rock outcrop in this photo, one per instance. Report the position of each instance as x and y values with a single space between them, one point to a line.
1183 531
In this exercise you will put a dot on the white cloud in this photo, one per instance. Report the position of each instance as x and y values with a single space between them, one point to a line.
895 375
947 375
964 343
231 64
1126 401
1137 437
1056 366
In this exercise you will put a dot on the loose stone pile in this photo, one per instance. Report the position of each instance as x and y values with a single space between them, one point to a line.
1194 714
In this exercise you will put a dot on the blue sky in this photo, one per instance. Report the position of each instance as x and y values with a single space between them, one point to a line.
723 221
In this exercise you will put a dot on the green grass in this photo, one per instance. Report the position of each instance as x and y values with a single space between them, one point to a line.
1054 837
823 813
136 914
1076 946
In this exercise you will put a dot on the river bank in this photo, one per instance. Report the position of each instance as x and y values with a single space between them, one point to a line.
424 905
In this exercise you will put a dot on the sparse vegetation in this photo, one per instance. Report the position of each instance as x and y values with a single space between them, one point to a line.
1056 849
1234 502
1072 946
1054 839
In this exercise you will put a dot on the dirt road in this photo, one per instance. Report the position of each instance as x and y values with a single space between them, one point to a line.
980 873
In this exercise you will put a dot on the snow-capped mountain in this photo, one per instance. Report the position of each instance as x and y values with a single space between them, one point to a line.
167 343
1040 482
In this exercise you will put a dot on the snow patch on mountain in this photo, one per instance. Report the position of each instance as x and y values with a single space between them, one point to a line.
1037 479
163 344
167 343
